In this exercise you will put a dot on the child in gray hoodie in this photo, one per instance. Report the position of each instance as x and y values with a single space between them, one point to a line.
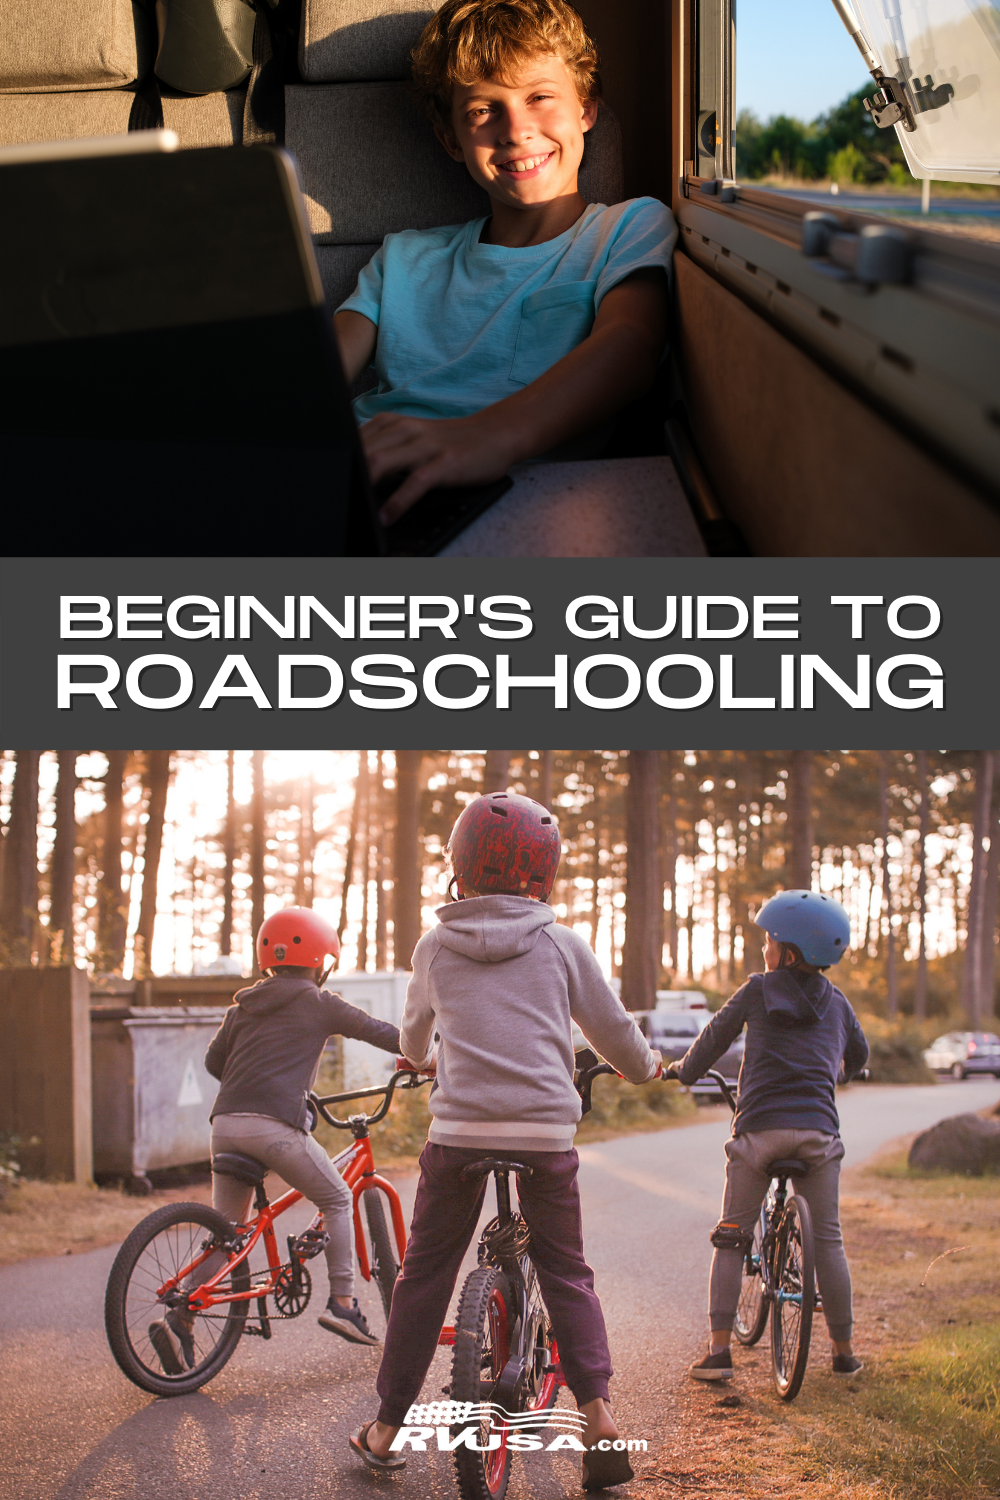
500 983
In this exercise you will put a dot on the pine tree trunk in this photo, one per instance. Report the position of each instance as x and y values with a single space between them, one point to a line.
112 907
366 852
641 957
920 988
381 894
800 820
407 870
545 780
891 987
258 846
19 898
303 872
229 854
62 872
350 853
597 808
496 770
158 780
669 844
716 923
972 976
689 924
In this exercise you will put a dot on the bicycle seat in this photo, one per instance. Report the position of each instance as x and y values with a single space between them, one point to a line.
244 1168
788 1166
494 1164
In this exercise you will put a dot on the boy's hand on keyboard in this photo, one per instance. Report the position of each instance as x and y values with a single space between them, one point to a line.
448 450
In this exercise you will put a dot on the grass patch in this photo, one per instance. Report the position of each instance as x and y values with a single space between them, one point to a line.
63 1218
921 1422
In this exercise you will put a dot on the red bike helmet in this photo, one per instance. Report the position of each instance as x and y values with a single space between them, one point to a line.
296 936
505 844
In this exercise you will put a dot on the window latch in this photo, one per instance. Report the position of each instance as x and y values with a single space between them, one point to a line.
889 105
877 256
718 187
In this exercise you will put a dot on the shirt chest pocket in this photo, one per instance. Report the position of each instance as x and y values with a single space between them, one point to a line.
553 321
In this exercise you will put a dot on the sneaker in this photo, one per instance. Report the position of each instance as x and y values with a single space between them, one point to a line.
349 1322
173 1340
713 1367
847 1364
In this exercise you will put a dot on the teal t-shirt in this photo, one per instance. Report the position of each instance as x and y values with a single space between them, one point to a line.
462 325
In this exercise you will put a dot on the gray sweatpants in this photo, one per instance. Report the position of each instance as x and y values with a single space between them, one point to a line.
305 1166
747 1181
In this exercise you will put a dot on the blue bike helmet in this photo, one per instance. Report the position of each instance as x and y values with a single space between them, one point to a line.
816 924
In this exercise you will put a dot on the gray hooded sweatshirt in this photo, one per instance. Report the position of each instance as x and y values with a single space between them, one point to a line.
500 982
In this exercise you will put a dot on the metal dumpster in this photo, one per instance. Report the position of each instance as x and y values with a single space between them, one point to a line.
151 1092
381 994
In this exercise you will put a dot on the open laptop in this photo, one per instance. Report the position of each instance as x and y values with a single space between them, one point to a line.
169 378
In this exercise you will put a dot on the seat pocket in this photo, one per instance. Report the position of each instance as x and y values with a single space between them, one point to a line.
553 321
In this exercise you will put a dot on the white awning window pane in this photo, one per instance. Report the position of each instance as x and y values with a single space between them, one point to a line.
947 53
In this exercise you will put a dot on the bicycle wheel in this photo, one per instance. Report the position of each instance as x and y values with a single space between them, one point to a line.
385 1266
482 1348
751 1312
156 1252
794 1296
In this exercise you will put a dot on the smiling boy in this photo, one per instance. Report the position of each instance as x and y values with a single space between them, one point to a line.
497 340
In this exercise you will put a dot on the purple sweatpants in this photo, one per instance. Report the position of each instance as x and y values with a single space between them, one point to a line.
445 1216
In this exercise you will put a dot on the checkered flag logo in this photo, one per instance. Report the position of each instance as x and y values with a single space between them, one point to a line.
461 1413
443 1413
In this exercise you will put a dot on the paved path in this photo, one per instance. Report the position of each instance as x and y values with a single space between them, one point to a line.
275 1422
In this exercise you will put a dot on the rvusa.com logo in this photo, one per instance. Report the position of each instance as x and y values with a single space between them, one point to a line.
482 1426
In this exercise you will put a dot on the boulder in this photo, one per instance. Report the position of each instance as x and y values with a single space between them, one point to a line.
962 1143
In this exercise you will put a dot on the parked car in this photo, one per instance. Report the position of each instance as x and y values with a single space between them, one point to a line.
963 1052
673 1031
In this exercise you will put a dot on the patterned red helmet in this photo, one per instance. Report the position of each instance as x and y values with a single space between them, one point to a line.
296 936
504 844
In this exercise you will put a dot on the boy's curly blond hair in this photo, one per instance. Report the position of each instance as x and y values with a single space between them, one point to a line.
471 40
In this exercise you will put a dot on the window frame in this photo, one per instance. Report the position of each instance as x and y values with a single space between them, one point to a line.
924 351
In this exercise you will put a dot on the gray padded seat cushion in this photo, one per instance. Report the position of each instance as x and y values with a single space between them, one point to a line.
210 120
61 44
370 164
345 41
338 269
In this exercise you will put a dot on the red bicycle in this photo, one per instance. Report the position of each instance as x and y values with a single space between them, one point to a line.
156 1269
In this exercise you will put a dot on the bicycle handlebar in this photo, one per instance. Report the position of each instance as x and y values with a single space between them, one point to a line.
403 1078
727 1092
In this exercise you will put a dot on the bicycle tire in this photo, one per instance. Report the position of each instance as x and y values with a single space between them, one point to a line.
384 1265
130 1303
482 1347
794 1278
752 1309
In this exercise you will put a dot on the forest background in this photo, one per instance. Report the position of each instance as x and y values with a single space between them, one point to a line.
842 146
132 863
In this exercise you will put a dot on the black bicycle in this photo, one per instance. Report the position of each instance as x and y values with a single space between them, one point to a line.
506 1360
779 1272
